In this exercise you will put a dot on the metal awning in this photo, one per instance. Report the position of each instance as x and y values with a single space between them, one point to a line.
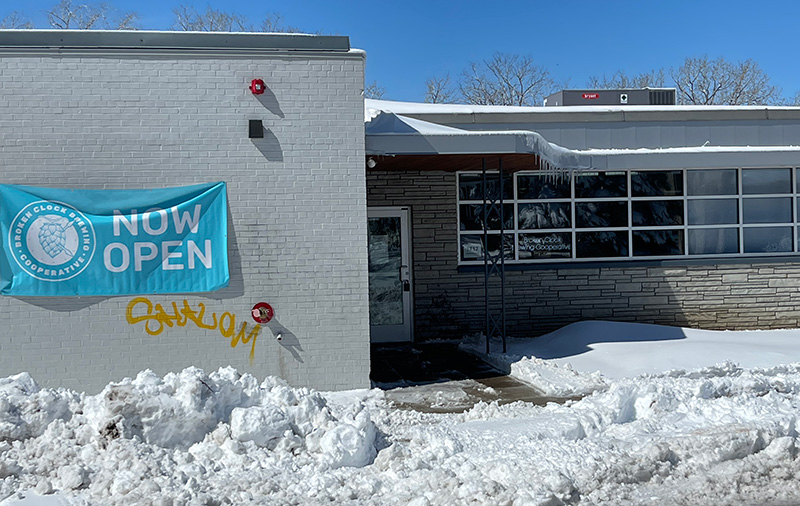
391 134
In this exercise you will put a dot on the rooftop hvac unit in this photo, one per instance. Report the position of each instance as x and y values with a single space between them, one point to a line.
644 96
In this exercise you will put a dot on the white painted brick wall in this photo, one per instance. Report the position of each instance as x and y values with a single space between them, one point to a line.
297 206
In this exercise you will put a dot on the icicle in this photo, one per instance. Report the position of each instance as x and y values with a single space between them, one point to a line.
555 161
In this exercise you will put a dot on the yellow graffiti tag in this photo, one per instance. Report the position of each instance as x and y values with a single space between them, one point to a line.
156 318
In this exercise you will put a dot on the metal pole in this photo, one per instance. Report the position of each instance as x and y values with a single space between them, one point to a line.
486 252
502 258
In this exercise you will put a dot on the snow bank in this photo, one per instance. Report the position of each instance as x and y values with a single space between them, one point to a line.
719 435
582 357
179 410
681 437
121 442
724 434
549 378
26 410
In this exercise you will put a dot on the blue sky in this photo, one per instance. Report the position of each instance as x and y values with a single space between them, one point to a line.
409 41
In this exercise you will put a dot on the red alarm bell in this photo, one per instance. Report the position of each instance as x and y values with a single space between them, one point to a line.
257 86
262 312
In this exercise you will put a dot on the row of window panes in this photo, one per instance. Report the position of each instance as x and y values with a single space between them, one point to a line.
644 213
646 243
661 183
607 214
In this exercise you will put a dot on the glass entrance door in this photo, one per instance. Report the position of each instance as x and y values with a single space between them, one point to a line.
389 275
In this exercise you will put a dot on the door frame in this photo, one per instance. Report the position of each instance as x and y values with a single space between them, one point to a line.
404 333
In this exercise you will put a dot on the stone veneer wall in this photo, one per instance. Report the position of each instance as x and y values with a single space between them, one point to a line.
450 303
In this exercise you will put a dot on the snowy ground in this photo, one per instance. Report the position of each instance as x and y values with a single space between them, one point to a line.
670 416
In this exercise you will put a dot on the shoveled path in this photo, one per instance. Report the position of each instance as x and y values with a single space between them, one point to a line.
438 377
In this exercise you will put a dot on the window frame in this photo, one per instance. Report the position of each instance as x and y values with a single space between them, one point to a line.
513 234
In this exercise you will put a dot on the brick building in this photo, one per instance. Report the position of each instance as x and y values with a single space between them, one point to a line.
661 214
355 234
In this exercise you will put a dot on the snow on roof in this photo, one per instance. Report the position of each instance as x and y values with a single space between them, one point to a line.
390 123
389 131
372 107
691 149
393 134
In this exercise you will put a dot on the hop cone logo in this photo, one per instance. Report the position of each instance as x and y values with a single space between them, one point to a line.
53 238
49 237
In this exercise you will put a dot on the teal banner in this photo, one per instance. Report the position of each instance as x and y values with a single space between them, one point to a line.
60 242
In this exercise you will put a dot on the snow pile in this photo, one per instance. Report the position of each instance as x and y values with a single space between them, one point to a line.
549 378
154 435
554 380
722 434
180 410
582 357
26 410
683 437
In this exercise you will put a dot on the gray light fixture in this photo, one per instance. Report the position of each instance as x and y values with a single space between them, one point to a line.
256 129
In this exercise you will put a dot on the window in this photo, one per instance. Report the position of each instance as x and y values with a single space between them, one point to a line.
631 214
472 213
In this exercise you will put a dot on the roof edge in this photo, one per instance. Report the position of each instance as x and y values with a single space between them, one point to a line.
462 114
159 40
401 137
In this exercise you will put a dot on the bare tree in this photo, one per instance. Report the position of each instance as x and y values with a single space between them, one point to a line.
273 24
374 90
439 90
127 21
99 16
188 19
720 82
16 20
506 79
796 100
621 80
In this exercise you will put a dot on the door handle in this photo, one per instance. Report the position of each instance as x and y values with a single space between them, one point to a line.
404 279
